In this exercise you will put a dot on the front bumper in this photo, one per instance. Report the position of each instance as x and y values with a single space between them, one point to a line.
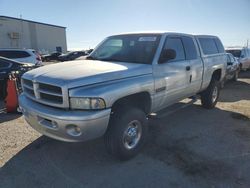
64 125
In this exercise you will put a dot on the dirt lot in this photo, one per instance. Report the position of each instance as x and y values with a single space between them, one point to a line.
193 147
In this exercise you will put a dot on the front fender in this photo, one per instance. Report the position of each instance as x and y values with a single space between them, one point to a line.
113 90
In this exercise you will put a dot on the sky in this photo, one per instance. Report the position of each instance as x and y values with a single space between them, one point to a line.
88 22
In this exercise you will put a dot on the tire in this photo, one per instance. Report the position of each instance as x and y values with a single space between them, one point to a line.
122 124
210 96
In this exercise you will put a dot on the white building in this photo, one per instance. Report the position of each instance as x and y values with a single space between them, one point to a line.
20 33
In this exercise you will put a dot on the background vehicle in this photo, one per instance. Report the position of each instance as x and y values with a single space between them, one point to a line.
126 78
71 55
233 68
22 55
242 55
89 51
6 67
52 56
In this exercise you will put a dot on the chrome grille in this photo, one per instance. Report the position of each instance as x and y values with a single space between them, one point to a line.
43 92
50 88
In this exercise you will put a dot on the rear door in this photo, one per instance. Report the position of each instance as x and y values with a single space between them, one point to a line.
214 57
196 64
172 77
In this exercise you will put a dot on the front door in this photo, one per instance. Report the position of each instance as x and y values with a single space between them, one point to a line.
172 77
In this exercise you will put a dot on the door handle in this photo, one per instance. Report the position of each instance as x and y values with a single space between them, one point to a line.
188 68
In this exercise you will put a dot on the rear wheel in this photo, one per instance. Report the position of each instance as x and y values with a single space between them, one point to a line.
126 133
210 96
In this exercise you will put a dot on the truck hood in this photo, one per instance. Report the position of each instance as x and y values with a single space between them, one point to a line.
86 72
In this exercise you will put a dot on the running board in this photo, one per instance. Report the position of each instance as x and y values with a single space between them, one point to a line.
173 108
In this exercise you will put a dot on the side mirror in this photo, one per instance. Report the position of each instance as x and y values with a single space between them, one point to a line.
166 55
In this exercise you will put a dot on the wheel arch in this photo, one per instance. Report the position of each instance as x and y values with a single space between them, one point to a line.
140 100
217 75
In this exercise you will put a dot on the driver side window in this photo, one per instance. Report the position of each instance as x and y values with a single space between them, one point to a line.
175 43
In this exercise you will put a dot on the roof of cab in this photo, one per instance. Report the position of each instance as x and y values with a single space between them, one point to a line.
161 33
206 36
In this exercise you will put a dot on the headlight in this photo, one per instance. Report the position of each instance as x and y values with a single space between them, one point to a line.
87 103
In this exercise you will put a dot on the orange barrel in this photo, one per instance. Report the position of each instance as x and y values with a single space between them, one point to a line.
11 100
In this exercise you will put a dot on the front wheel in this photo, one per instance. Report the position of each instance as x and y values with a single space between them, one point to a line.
210 96
126 133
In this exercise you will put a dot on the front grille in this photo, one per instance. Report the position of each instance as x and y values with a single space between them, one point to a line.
44 93
28 82
50 88
53 98
29 91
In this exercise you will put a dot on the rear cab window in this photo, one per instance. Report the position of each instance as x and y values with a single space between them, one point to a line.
208 45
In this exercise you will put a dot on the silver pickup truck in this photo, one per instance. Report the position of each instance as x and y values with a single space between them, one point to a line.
126 78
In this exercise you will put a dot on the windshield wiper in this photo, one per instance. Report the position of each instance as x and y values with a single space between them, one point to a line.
104 59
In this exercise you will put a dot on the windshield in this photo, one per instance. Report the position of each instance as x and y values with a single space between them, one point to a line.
236 53
128 48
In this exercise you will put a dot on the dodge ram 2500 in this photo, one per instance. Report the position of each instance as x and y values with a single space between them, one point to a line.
126 78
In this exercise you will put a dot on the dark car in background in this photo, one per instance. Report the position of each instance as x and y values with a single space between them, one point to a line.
52 56
8 66
71 55
89 51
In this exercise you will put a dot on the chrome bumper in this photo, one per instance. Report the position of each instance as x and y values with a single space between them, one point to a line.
64 125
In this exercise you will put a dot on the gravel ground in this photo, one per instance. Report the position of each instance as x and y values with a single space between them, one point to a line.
193 147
